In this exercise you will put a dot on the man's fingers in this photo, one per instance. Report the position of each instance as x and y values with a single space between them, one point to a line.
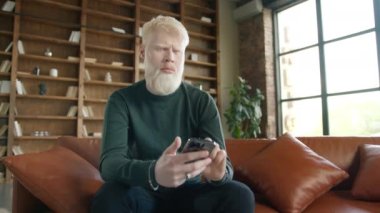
172 149
196 165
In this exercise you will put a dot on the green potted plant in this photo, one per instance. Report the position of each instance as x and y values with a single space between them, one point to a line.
244 114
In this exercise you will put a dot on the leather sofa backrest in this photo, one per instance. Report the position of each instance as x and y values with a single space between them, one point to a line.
342 151
87 148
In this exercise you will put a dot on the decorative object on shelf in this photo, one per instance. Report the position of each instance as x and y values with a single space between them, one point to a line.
118 30
48 52
206 19
244 114
42 88
36 70
108 77
53 72
193 56
198 85
40 133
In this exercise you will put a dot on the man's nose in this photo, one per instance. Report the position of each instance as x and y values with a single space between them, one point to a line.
169 56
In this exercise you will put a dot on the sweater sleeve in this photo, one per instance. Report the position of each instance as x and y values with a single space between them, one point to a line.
210 126
116 163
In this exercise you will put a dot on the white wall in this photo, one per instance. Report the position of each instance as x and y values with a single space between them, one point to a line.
229 54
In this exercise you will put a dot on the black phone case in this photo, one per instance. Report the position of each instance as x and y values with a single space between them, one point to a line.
197 144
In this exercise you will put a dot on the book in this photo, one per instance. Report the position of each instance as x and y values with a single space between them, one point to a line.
72 111
17 129
89 60
3 150
84 131
72 58
4 107
118 30
87 76
17 150
74 36
8 6
20 47
72 91
20 89
8 48
85 112
3 129
5 86
90 111
117 63
5 66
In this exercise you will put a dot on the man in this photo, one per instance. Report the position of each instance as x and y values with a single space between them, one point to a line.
143 168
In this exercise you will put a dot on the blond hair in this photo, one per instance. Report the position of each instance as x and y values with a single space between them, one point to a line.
167 23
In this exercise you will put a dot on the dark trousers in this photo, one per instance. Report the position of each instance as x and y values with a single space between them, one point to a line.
231 197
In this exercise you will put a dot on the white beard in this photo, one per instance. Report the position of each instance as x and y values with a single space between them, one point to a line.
160 83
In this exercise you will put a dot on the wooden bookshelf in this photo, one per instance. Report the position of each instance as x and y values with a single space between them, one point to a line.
88 39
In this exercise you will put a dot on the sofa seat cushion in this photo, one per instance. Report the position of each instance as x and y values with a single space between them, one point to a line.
291 175
60 178
341 202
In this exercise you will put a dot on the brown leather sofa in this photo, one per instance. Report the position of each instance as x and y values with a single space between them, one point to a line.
341 151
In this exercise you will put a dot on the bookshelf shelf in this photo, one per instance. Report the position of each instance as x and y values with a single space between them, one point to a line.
200 77
60 5
107 42
40 77
46 39
202 36
44 138
41 117
103 83
198 21
200 63
200 8
108 15
46 97
109 49
48 59
159 11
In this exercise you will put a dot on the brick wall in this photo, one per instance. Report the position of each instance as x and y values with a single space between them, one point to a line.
257 64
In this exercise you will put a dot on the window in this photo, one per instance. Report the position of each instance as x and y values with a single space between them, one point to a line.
327 59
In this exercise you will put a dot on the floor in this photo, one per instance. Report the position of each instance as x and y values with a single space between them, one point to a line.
5 197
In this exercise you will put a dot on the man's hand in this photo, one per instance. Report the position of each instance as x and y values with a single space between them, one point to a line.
173 169
216 170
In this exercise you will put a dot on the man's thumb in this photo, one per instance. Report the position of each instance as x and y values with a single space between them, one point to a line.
172 149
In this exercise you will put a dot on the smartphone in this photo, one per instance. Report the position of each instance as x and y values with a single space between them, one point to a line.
197 144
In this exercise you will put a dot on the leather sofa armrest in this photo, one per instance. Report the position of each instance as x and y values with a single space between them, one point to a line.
24 202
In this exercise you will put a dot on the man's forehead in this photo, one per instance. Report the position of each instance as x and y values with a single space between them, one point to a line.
162 38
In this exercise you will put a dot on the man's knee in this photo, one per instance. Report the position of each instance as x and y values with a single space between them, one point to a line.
240 191
117 197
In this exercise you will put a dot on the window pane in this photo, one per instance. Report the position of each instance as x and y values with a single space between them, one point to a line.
343 17
302 118
356 114
351 64
291 31
300 74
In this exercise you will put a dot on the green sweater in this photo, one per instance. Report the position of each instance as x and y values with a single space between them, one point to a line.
139 126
